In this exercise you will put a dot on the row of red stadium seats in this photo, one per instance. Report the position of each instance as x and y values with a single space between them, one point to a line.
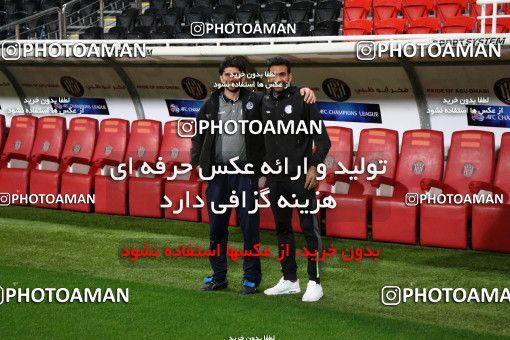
412 9
413 16
422 25
40 157
418 169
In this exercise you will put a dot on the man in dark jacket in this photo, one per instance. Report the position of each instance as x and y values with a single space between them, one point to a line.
283 104
210 148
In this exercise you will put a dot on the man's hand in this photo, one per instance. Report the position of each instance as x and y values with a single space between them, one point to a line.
311 178
308 94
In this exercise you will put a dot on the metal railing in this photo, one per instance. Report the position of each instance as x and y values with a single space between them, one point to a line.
494 16
65 14
33 17
69 5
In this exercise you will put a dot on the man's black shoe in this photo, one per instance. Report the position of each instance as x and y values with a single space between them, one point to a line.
211 284
248 288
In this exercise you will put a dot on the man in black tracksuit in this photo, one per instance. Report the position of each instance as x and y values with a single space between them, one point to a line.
232 103
283 103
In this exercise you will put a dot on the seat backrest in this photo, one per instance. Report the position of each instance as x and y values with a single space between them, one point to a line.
416 8
502 178
340 151
386 9
450 8
80 142
21 138
49 139
341 148
356 9
144 142
421 156
389 26
459 25
358 27
375 145
111 142
327 10
470 158
174 149
425 25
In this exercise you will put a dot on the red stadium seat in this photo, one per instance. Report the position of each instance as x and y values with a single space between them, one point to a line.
111 194
459 25
15 161
3 132
502 25
356 9
490 228
417 8
386 9
46 152
340 151
145 191
358 27
450 8
176 151
76 161
421 157
389 26
349 218
425 25
470 158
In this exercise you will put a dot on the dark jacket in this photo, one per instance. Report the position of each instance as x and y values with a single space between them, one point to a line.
289 105
203 145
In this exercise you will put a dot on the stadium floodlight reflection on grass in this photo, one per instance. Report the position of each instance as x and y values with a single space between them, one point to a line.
168 166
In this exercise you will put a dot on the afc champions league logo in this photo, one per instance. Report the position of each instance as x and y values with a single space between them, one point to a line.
475 115
502 90
336 89
194 88
174 108
72 86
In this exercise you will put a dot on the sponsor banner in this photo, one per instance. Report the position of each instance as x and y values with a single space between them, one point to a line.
82 106
350 112
183 107
487 115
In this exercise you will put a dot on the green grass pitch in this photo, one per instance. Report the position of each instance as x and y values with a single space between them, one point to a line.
51 248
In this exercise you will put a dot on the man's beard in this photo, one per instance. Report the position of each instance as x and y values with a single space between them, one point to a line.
234 89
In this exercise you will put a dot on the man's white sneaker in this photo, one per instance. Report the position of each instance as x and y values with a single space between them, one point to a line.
313 292
284 287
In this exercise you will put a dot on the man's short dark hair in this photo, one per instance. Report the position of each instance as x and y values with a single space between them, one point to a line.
278 61
233 61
